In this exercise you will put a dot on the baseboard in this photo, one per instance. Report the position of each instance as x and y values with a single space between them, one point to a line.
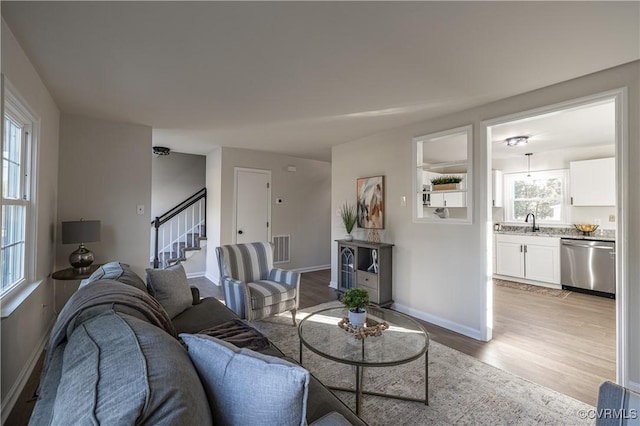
215 280
312 268
333 284
449 325
15 391
196 274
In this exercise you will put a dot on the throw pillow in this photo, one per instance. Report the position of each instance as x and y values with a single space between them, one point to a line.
116 271
170 287
246 387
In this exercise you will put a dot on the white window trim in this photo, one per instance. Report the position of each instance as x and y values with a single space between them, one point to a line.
16 105
509 179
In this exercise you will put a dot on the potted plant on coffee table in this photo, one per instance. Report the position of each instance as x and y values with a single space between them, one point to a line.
348 215
356 300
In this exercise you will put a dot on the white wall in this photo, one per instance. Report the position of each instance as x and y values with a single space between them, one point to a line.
25 329
305 213
174 178
440 270
105 172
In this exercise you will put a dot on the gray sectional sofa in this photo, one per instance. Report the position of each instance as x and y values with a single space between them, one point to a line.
114 357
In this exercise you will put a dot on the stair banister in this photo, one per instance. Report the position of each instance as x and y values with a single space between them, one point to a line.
175 211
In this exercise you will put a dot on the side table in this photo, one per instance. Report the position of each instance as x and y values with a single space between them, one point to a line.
68 274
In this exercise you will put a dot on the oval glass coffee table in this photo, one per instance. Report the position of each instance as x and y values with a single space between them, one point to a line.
404 341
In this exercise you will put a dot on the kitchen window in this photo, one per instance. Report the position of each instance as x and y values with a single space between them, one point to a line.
18 196
542 193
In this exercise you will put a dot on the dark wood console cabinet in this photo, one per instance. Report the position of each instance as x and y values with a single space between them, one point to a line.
356 269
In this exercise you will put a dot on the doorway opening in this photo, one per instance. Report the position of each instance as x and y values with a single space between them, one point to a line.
563 337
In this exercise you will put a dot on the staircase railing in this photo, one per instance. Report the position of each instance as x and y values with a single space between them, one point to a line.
187 217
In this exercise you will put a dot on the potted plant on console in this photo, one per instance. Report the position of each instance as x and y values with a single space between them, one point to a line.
356 300
348 215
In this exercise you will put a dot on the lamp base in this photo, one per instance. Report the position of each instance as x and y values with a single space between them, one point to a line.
81 259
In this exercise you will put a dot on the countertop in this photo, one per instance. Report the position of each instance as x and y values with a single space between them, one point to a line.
598 235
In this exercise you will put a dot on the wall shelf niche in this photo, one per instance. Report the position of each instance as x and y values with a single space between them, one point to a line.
447 153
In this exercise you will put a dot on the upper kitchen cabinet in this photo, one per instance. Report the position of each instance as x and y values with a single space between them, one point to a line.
442 181
497 182
593 182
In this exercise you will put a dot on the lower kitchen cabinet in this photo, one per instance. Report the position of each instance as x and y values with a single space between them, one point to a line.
531 258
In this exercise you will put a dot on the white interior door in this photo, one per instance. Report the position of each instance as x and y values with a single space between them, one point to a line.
253 212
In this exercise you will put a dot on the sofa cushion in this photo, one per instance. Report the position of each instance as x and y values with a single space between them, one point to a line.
267 293
208 313
114 373
170 287
116 271
246 387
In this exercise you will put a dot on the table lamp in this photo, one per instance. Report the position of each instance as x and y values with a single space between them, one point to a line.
81 231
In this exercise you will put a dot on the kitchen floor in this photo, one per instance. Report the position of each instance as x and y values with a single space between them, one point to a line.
565 341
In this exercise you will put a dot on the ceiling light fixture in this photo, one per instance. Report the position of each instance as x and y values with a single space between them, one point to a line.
517 140
161 150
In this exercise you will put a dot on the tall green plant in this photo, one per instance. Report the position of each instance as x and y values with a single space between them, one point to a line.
348 214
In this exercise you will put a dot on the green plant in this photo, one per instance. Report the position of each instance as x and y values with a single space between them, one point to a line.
356 299
441 180
348 214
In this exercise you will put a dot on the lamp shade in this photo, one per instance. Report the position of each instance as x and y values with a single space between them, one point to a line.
81 231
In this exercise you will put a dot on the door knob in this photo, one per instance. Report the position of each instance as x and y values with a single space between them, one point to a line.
241 232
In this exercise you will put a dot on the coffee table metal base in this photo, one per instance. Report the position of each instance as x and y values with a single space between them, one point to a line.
359 391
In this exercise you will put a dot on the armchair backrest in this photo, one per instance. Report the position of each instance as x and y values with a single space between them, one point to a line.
245 262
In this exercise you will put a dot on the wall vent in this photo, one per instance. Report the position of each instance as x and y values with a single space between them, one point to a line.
282 248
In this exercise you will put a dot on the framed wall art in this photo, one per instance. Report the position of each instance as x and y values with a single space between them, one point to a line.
370 192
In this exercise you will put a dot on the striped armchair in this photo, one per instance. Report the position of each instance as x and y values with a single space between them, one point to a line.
252 287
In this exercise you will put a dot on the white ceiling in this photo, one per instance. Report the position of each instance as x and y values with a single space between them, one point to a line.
299 77
588 126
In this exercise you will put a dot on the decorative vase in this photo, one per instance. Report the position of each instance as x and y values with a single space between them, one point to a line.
348 237
357 319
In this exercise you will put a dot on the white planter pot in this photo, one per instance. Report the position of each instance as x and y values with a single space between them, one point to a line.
357 319
348 237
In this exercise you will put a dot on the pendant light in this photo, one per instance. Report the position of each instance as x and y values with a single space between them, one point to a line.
529 154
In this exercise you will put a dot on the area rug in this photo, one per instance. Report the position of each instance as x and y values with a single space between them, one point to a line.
545 291
462 389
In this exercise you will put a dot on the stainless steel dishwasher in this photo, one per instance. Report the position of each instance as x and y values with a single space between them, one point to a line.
589 266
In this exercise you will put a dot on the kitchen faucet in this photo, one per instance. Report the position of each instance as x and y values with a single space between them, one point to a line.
534 228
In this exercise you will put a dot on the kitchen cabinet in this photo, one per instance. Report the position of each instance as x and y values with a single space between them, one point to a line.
356 260
447 199
593 182
496 188
528 257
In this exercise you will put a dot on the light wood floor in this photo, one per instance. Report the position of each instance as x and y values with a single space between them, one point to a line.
567 345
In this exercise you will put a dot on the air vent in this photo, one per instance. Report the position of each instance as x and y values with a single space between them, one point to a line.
282 248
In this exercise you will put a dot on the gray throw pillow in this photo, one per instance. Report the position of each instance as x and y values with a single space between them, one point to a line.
170 287
116 271
246 387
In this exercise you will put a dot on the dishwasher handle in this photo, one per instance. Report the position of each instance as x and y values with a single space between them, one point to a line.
576 244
